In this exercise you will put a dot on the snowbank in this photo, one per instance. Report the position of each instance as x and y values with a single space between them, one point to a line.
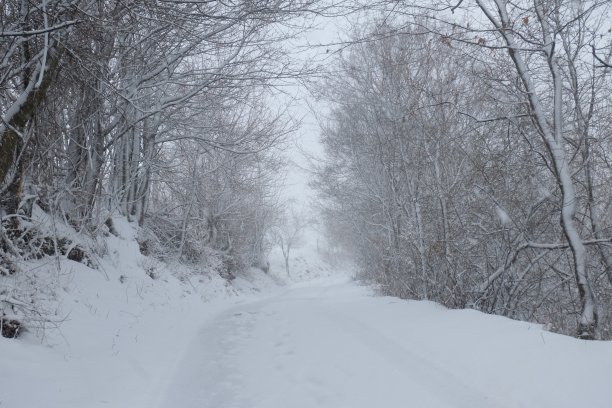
120 327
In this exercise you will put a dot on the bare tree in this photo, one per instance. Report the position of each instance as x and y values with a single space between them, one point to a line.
288 235
464 137
153 110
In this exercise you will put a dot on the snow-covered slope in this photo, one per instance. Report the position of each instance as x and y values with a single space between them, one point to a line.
119 328
137 333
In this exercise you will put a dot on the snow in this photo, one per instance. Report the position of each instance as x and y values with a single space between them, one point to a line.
119 329
504 218
332 344
317 340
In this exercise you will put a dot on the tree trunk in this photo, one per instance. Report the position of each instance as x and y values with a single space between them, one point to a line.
553 139
16 119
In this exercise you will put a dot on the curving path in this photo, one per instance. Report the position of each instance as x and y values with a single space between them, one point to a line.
314 347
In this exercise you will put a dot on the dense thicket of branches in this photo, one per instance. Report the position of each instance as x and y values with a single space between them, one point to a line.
468 158
155 110
468 142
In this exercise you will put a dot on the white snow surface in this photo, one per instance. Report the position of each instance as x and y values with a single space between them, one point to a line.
267 341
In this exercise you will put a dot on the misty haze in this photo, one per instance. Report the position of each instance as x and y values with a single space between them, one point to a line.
305 203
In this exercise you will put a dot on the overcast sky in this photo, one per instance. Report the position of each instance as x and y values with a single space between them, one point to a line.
306 140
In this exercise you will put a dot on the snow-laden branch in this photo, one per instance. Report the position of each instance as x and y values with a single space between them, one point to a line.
46 30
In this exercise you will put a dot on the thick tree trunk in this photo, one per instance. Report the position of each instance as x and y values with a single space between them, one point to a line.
12 129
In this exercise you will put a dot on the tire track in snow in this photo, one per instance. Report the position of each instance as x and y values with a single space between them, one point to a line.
417 368
208 375
298 350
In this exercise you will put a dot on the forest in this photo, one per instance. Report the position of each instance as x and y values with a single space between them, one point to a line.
468 157
467 143
157 111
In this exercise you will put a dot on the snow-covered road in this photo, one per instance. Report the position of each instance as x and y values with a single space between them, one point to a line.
129 341
335 345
